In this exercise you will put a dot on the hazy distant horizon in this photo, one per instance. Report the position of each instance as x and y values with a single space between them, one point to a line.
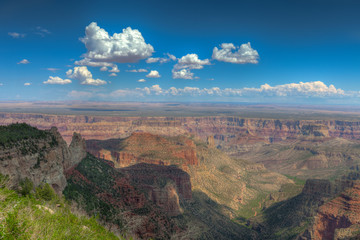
180 109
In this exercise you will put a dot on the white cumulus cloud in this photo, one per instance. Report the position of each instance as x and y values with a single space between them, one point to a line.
240 55
299 90
114 69
24 61
191 61
57 80
182 69
84 76
182 74
153 74
310 89
126 47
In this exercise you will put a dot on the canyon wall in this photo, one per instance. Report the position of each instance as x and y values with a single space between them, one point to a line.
145 148
339 217
226 130
41 156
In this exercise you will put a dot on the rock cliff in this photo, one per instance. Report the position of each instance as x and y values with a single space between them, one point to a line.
226 130
132 201
166 186
39 155
340 217
145 148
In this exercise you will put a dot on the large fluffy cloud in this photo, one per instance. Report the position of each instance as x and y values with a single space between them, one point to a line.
126 47
84 76
57 80
182 68
229 53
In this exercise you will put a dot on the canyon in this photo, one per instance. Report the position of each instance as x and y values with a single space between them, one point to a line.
200 176
301 148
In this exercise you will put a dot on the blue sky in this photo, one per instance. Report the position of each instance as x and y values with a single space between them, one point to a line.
266 51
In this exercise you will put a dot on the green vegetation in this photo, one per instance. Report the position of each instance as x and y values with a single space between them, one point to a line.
14 133
84 193
27 217
27 140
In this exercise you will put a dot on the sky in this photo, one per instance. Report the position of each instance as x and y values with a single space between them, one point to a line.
187 51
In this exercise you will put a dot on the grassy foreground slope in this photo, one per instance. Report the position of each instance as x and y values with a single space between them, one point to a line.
28 217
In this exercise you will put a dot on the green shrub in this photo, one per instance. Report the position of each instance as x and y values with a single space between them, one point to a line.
46 192
4 179
26 187
14 228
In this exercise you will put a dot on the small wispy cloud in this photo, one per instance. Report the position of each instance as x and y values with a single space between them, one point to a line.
24 61
42 31
137 70
53 69
16 35
141 80
27 84
80 94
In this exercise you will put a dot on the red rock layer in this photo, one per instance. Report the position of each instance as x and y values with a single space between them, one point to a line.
145 148
340 213
226 130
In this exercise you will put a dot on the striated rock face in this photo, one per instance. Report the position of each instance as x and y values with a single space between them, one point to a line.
145 148
41 158
123 197
166 186
226 130
338 218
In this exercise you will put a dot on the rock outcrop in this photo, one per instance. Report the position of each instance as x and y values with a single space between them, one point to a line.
338 218
145 148
127 198
41 156
166 186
